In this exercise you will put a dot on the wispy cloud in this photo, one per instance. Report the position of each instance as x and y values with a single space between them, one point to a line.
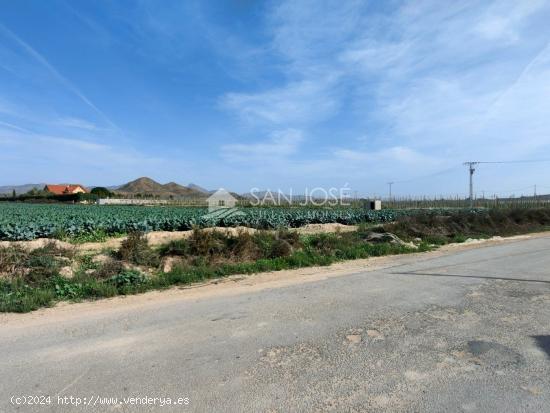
77 123
308 91
424 84
14 127
55 73
394 154
503 20
66 158
444 89
306 38
275 149
300 102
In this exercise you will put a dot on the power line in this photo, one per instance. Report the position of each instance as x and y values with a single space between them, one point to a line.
444 171
519 161
472 168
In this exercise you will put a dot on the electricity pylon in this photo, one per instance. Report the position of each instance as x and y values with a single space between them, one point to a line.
472 169
390 184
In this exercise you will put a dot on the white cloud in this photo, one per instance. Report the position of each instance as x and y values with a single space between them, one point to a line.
70 151
306 33
503 20
497 28
444 89
425 83
14 127
77 123
307 38
280 145
396 154
433 84
308 101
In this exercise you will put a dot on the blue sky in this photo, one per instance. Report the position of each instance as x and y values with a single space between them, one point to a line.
286 94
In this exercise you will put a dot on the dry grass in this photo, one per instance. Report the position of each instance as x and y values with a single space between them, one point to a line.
216 247
33 266
462 225
136 250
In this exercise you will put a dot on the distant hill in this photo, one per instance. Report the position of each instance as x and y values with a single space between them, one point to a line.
146 185
110 188
200 189
20 189
180 189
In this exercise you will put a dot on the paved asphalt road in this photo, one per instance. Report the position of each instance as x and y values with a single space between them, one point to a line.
462 331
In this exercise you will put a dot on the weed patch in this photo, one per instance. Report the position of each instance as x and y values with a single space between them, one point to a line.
95 235
136 250
442 229
34 266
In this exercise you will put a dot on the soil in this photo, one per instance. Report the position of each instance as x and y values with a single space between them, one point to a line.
319 228
157 238
37 243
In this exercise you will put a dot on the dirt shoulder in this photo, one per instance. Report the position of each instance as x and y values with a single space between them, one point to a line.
239 284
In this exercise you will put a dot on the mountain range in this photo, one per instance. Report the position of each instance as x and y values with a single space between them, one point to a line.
146 185
20 189
200 189
141 185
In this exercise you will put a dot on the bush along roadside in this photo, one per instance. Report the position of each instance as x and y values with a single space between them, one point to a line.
33 279
136 267
439 229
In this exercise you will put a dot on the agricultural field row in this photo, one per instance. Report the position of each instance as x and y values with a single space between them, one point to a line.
31 221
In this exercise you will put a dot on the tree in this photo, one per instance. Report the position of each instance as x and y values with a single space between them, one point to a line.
13 194
101 192
36 193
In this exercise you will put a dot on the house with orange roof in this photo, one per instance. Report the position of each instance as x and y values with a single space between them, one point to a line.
66 189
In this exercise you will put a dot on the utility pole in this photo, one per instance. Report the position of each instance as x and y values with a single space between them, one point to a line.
472 169
390 184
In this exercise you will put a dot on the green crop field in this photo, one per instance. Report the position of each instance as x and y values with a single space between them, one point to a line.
20 221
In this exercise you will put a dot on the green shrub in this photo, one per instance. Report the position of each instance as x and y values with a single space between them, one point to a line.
108 269
66 289
12 260
459 238
98 289
128 278
436 239
33 266
86 262
206 247
18 297
440 229
324 243
203 243
136 249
